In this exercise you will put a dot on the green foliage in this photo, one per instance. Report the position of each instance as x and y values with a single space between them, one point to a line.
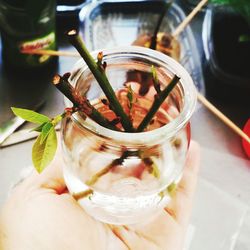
44 148
171 188
30 116
155 79
130 96
39 128
47 127
57 119
43 151
155 170
152 166
242 6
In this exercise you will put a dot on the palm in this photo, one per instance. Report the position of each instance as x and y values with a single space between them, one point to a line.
41 215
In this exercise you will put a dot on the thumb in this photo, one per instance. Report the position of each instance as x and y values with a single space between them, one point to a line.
52 176
181 203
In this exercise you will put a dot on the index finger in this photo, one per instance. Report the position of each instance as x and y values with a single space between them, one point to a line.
181 203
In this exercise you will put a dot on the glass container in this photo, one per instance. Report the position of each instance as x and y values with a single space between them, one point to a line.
120 177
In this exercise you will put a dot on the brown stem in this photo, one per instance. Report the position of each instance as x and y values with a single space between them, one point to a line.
62 84
105 170
83 194
101 78
112 165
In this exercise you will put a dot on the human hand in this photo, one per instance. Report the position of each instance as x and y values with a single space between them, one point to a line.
41 215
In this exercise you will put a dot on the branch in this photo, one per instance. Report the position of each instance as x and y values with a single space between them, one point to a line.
112 165
159 99
81 102
153 42
101 78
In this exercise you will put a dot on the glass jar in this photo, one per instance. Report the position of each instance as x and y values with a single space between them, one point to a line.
120 177
27 25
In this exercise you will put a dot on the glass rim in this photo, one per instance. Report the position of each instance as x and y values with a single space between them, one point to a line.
164 132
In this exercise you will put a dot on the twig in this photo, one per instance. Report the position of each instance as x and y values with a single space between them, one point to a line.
159 99
222 117
81 102
103 171
153 42
84 194
149 163
110 166
187 20
25 135
101 78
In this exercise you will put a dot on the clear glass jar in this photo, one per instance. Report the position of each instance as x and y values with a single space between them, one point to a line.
120 177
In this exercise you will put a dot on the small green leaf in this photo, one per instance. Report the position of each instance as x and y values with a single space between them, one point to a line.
39 128
152 167
130 96
43 153
45 131
161 194
155 79
57 119
154 74
171 188
155 171
30 115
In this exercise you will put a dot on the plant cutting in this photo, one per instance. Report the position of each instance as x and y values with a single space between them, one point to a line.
173 52
116 142
81 104
128 171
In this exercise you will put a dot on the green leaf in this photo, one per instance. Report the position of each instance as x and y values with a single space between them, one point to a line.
45 131
38 128
43 153
171 188
57 119
155 171
152 166
30 115
155 79
130 96
154 73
